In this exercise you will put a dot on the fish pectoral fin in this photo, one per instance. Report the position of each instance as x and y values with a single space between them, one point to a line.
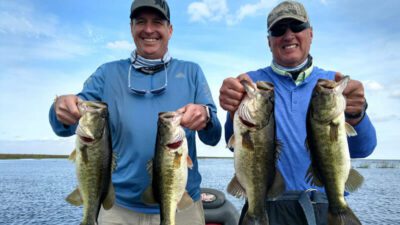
72 156
334 131
277 187
278 148
189 162
235 188
177 160
350 131
185 202
313 177
148 197
75 198
354 181
231 142
307 145
110 198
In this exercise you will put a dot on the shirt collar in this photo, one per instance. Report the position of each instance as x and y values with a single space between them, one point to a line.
284 71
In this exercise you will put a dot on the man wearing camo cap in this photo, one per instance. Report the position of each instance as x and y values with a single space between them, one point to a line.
294 76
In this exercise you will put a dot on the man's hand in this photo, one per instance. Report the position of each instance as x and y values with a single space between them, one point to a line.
355 99
66 108
194 116
231 93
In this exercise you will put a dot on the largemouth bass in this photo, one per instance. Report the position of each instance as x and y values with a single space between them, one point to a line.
94 162
169 168
327 141
255 152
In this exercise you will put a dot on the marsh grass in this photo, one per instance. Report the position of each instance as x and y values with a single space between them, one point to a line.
364 166
386 165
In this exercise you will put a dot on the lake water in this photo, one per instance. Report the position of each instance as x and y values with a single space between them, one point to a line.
33 191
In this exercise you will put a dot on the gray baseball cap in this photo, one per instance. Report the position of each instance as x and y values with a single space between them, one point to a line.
160 5
287 10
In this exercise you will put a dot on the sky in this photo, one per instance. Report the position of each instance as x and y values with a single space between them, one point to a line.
50 48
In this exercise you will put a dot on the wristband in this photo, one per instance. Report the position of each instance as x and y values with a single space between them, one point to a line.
208 113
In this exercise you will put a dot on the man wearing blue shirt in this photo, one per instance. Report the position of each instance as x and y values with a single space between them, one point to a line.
136 90
294 77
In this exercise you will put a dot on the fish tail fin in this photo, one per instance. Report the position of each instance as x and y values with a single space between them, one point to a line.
345 217
250 220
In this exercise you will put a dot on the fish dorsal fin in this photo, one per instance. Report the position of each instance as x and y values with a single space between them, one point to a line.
148 197
350 131
114 162
75 198
235 188
278 149
149 167
277 187
313 177
72 156
110 198
185 202
231 142
189 162
354 181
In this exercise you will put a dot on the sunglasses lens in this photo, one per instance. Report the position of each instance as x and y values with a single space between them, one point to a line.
138 92
299 27
278 31
158 91
295 26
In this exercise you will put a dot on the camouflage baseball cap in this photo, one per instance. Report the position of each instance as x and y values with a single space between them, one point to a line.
287 10
159 5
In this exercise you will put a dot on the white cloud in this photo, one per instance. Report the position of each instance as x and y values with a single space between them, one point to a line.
395 94
385 118
212 10
373 85
325 2
217 10
120 45
28 35
24 21
253 9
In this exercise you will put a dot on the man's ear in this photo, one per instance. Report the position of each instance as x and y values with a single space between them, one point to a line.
171 30
269 43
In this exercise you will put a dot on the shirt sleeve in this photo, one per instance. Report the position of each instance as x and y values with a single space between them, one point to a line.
211 134
364 143
92 90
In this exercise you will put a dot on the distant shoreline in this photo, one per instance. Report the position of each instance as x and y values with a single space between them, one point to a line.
5 156
31 156
42 156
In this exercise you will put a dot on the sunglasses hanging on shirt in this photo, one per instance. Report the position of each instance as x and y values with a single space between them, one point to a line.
154 91
148 67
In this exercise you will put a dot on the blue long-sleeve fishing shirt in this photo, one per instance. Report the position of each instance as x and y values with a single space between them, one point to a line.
133 121
291 105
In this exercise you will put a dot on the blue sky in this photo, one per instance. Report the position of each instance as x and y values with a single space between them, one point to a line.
49 48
